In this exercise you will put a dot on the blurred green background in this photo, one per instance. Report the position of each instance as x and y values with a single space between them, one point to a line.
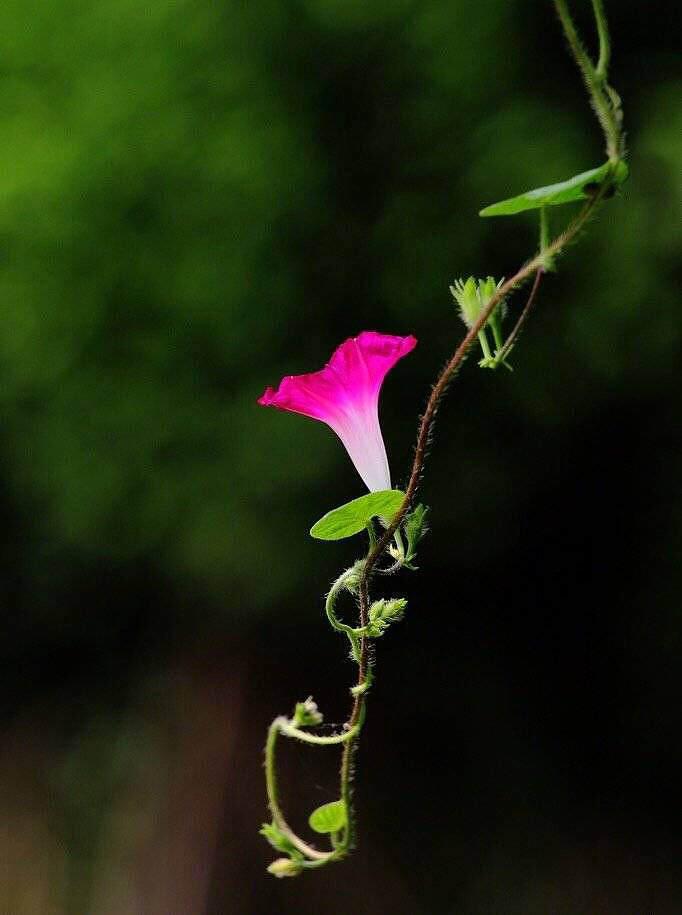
197 198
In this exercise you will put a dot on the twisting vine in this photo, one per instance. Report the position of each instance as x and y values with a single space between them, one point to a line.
325 395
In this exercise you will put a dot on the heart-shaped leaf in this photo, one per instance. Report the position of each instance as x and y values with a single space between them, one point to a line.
329 817
579 187
352 517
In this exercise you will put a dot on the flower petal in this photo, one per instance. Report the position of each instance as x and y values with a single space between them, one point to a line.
364 361
345 395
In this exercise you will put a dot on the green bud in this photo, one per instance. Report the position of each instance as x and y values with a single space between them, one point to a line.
352 576
473 295
284 867
384 612
307 714
415 528
466 295
487 288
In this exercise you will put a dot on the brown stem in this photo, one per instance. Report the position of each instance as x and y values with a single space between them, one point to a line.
511 339
536 265
533 266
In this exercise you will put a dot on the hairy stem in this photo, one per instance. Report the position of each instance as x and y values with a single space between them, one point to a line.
440 387
313 854
290 730
607 107
330 605
604 38
349 737
535 265
511 339
604 100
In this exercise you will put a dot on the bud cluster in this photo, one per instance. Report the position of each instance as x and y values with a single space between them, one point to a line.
473 297
384 612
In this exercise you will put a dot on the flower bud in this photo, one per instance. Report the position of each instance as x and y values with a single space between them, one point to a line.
284 867
307 714
384 612
353 576
466 296
473 296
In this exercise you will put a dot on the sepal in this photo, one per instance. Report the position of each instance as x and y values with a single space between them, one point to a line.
416 528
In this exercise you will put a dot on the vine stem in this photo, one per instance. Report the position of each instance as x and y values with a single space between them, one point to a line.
377 545
511 339
604 38
606 104
535 265
601 95
312 854
329 607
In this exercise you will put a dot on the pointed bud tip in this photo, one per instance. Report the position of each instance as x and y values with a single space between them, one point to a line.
284 867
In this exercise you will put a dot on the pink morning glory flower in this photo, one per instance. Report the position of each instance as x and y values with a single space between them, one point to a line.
345 396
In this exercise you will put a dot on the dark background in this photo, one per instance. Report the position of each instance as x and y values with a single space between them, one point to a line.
197 198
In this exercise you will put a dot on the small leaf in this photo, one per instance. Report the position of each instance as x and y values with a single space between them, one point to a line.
352 517
329 817
278 840
579 187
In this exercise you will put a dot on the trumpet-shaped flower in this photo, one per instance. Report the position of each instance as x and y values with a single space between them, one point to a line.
345 396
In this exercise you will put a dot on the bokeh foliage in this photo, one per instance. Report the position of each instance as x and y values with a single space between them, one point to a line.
198 197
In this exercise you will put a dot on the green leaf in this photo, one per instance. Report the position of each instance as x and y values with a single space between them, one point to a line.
329 817
352 517
579 187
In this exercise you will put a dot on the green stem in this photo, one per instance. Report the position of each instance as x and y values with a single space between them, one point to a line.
601 96
311 853
290 730
548 265
497 333
483 340
330 604
346 773
581 56
604 38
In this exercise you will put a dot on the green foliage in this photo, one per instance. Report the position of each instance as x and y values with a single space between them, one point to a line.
329 818
351 518
579 187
